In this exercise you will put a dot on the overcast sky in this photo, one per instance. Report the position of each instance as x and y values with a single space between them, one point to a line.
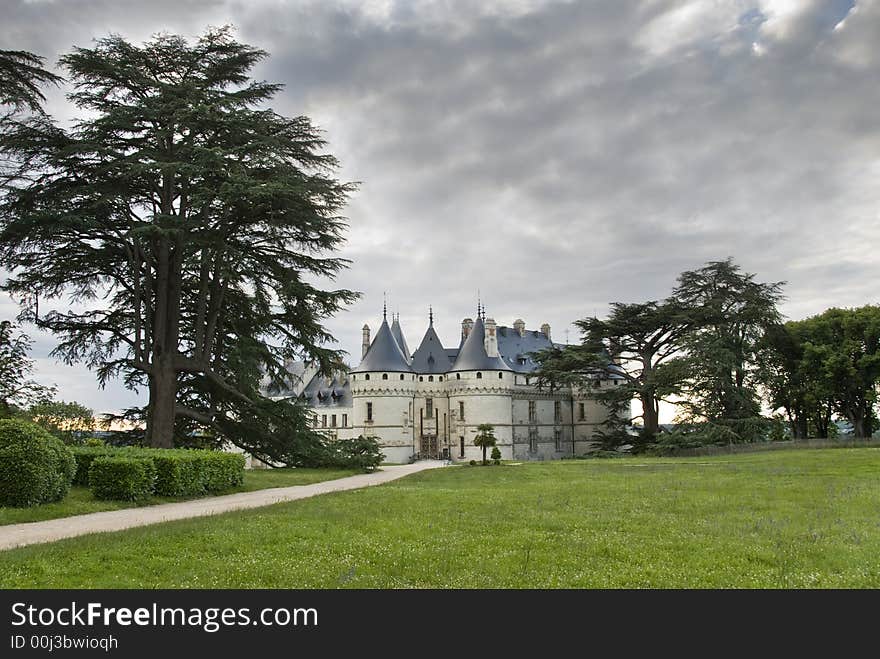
554 155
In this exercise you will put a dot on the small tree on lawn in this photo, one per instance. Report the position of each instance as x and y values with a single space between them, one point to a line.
485 437
496 455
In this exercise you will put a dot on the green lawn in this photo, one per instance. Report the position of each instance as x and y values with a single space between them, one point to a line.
80 500
786 519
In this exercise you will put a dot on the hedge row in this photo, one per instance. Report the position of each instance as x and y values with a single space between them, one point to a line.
176 472
125 478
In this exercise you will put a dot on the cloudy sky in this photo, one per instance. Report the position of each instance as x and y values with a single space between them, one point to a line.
555 156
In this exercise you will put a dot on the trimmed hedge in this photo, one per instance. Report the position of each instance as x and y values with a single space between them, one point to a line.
118 477
35 467
179 472
84 455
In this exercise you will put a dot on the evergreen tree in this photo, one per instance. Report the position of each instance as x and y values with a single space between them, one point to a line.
191 221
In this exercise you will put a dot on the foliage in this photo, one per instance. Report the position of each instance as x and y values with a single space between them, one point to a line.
361 453
825 365
35 467
126 478
178 472
730 313
67 421
16 389
496 455
21 76
192 223
485 437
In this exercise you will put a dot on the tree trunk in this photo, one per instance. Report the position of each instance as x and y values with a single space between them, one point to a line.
163 400
649 415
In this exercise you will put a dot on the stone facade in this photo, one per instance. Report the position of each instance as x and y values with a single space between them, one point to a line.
429 403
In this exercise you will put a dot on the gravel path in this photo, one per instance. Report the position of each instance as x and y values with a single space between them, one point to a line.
19 535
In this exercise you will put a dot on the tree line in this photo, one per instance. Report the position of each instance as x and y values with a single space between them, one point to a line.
718 350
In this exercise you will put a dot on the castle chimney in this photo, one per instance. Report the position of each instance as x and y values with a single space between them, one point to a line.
545 330
491 338
519 326
366 343
466 326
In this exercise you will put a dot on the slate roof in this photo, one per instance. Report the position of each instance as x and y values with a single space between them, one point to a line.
473 357
384 354
397 333
515 349
430 356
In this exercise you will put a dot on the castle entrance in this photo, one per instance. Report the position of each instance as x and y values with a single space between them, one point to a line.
429 447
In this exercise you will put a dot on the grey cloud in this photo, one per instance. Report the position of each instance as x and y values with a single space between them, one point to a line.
563 155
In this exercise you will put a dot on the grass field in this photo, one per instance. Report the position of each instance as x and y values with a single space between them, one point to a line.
786 519
80 500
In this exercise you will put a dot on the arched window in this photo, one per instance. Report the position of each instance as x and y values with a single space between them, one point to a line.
439 378
458 376
401 376
500 376
479 376
430 378
367 376
384 376
421 379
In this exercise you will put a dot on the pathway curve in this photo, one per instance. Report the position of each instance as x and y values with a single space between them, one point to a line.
19 535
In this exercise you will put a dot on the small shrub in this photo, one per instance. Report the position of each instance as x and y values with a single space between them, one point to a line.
496 454
35 467
473 463
358 453
94 442
122 478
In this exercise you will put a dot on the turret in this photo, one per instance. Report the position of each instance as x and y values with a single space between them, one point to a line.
365 345
519 326
545 330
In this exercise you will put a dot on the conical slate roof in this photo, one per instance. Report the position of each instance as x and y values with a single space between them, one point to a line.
431 356
384 354
397 333
473 357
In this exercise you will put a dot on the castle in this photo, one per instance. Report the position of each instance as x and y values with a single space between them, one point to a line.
428 404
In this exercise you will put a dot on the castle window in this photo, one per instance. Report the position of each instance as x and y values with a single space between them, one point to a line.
429 407
533 414
401 376
323 420
461 410
345 420
581 415
479 376
384 376
557 412
461 447
458 376
333 421
439 378
430 378
421 379
557 438
369 411
367 376
353 378
500 375
533 440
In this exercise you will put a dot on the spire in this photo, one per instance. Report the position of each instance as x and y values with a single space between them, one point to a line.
430 316
384 306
